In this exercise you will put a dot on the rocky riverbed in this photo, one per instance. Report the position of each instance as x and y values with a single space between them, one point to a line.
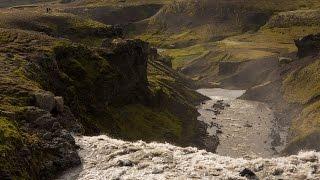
244 127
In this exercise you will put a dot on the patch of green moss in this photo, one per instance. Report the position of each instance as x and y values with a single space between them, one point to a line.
165 81
79 62
11 140
140 122
186 37
10 136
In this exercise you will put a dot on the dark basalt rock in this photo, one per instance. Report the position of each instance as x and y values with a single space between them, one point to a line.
55 141
218 107
125 163
308 45
248 174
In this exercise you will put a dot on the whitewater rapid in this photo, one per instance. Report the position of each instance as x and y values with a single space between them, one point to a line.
107 158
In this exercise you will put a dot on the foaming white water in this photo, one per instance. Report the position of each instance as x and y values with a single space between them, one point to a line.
107 158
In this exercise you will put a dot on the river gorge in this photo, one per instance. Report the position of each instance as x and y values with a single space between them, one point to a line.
246 149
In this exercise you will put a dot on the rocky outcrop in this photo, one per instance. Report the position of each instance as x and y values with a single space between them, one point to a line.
100 85
308 45
35 126
56 143
309 17
47 101
92 80
44 145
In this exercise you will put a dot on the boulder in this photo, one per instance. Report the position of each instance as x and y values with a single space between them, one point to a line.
284 60
59 104
125 162
45 100
248 174
248 125
277 172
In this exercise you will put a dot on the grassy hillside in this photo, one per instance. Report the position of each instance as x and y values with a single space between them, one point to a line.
302 87
113 11
187 30
60 25
182 23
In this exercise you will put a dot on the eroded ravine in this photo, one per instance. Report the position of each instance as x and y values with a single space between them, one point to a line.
244 127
